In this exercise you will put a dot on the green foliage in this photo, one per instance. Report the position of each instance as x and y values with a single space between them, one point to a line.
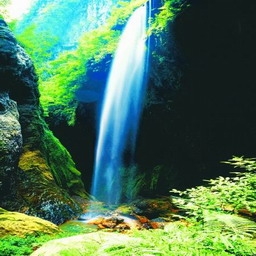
224 193
38 44
60 77
166 14
13 245
166 72
249 164
21 246
179 239
206 229
230 224
213 207
159 23
121 13
175 239
64 75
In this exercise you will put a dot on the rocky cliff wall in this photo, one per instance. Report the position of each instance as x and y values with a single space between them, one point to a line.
37 174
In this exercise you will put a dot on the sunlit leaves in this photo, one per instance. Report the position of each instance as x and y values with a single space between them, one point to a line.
120 17
240 162
98 43
37 45
159 23
232 194
60 74
214 207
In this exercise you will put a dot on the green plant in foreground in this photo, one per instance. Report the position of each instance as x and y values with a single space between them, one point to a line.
14 245
179 239
21 246
175 239
214 207
234 194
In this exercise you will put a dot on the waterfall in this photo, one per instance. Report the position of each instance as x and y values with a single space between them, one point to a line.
121 109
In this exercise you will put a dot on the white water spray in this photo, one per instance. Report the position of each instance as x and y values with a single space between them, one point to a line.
121 109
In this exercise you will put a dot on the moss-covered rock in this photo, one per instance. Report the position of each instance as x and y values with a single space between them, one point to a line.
46 199
46 176
95 243
19 224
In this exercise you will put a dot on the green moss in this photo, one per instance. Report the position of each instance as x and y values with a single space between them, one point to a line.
125 209
19 224
62 166
43 155
33 160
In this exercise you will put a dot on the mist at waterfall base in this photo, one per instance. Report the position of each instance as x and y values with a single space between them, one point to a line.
121 109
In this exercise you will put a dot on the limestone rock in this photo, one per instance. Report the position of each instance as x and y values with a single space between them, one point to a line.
19 224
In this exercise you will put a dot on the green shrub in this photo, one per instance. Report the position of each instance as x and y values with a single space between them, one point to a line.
179 239
222 194
213 208
14 245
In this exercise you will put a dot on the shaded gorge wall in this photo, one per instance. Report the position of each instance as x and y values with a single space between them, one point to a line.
202 108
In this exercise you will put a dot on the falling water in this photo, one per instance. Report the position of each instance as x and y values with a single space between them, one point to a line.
121 109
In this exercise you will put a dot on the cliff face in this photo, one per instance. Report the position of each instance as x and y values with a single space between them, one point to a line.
208 116
37 174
